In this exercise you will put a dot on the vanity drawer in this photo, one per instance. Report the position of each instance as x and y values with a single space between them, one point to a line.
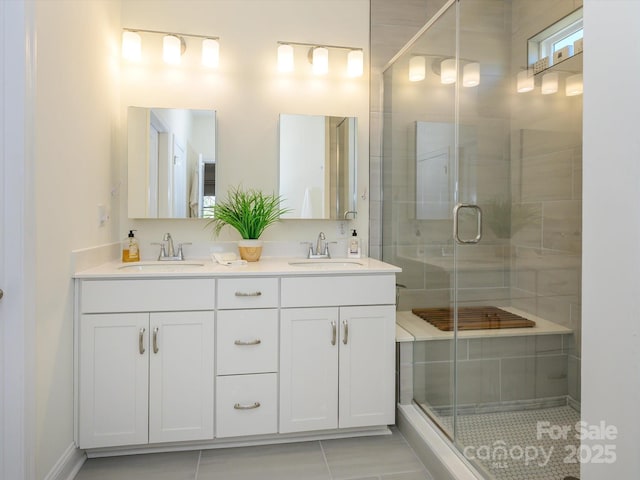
247 341
330 291
247 293
152 295
246 405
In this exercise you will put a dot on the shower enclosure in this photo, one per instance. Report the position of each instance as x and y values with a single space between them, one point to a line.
482 210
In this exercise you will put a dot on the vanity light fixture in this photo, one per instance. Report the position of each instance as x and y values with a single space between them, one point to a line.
417 69
173 46
285 58
131 46
471 75
525 81
210 53
319 58
549 83
448 71
574 85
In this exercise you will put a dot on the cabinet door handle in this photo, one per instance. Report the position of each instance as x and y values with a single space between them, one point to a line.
155 340
257 341
248 294
334 333
251 406
345 338
141 341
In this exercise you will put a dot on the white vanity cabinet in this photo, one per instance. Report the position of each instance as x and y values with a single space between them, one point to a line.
337 352
227 356
145 376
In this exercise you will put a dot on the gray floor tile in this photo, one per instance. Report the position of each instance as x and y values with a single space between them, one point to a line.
153 466
293 461
423 475
351 458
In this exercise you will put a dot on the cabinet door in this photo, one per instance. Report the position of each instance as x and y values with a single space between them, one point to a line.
113 379
367 361
181 376
308 369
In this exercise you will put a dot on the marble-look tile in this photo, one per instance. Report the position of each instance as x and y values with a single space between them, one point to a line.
518 379
152 466
285 462
547 177
366 456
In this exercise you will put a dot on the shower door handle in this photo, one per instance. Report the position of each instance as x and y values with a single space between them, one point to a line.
456 232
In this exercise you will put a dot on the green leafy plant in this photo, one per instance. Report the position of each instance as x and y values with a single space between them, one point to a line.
250 212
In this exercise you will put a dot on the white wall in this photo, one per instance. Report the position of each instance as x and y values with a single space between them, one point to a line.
611 232
248 93
76 115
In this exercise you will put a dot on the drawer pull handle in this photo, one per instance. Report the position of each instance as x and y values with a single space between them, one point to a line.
334 333
345 339
250 294
155 340
141 341
257 341
239 406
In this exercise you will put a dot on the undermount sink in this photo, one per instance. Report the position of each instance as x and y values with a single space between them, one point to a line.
324 264
161 267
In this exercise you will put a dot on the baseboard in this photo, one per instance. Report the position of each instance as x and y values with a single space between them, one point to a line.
68 465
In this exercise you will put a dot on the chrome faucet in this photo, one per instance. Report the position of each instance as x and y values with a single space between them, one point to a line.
170 251
167 250
322 247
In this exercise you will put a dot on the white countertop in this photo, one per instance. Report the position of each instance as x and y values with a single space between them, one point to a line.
206 267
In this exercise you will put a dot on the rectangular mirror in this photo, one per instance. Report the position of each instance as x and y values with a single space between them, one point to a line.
171 157
318 166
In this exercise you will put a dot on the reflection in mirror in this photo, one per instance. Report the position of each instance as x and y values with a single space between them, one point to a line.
318 165
171 162
435 163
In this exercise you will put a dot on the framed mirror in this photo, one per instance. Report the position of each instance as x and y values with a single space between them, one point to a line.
318 166
171 160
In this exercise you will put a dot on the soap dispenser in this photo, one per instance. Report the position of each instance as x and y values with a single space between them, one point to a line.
354 246
130 249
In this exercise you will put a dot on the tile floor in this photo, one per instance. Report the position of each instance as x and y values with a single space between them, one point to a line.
386 457
531 455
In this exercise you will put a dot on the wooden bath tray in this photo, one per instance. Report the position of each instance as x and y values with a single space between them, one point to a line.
472 318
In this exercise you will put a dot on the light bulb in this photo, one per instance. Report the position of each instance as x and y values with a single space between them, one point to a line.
549 83
131 46
471 75
171 49
320 61
448 71
355 63
210 53
524 81
285 58
574 85
416 69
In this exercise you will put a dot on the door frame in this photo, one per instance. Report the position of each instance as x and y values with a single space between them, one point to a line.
17 245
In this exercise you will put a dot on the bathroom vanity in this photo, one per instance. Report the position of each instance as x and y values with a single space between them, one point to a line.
174 356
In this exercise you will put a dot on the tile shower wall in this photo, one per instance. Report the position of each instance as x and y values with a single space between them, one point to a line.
523 371
546 179
392 25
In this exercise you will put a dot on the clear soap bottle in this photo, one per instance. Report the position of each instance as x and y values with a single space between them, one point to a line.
354 250
130 248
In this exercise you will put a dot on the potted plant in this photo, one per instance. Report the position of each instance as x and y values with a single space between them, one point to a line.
250 212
